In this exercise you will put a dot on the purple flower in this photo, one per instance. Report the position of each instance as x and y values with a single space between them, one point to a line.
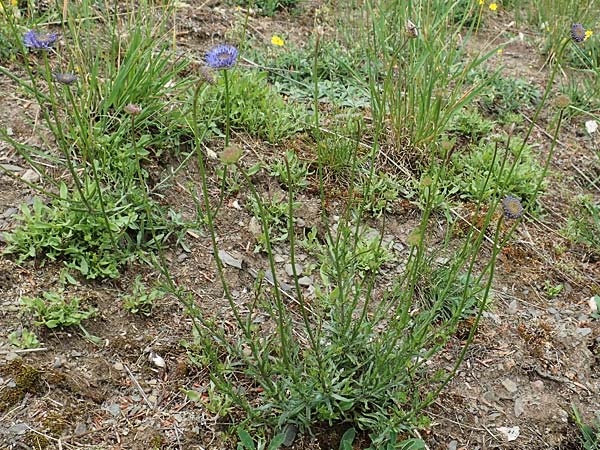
222 57
37 41
578 32
513 209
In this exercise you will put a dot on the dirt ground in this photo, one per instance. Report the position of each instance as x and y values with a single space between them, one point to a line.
533 358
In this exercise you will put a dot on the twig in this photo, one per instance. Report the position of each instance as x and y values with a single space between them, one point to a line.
24 350
585 176
138 386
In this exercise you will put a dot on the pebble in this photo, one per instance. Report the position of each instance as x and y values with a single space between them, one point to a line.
452 445
11 356
119 366
509 385
80 429
519 407
278 259
538 385
18 428
305 281
583 331
9 212
114 409
31 176
289 269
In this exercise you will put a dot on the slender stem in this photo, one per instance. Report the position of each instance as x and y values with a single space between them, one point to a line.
227 108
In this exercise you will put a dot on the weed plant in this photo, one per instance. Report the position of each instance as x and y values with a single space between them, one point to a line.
111 114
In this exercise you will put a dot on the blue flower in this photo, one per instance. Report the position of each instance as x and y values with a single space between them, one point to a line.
578 32
513 209
222 57
37 41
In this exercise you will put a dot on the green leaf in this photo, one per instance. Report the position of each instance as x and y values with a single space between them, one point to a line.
347 439
246 439
412 444
277 441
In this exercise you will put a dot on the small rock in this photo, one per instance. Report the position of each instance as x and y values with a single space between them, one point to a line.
11 356
9 212
510 434
31 176
18 428
58 362
279 259
512 307
519 407
398 247
114 409
490 397
452 445
11 167
537 385
300 222
80 429
290 431
254 227
583 331
230 260
305 281
289 269
119 366
182 257
509 385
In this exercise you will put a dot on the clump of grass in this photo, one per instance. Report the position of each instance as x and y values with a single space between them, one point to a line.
255 108
583 225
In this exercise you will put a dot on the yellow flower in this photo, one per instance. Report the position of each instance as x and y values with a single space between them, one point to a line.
493 6
481 2
14 2
588 34
276 40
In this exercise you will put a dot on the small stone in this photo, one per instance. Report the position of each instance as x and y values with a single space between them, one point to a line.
490 397
18 428
519 407
289 269
512 307
30 176
9 212
305 281
452 445
182 257
10 356
80 428
290 431
583 331
229 260
119 366
509 385
254 227
279 259
114 409
537 385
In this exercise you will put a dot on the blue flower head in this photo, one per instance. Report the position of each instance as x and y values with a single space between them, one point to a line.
37 41
222 57
513 209
578 32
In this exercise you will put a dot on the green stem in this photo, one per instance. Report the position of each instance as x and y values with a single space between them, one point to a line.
227 108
